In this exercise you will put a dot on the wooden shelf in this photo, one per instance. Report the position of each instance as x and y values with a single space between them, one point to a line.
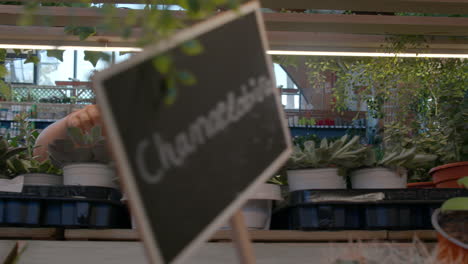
264 235
31 233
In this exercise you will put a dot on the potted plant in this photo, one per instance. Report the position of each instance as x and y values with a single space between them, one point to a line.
454 126
258 209
312 167
35 172
24 164
84 158
387 169
451 224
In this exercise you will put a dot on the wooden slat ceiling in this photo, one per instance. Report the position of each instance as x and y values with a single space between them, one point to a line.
416 6
286 31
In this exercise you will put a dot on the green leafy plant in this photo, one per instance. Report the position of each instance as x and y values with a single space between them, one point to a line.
7 153
405 158
79 147
457 203
342 153
26 162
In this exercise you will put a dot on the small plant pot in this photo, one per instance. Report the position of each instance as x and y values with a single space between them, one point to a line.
41 179
307 179
257 210
446 176
420 185
89 174
378 178
450 249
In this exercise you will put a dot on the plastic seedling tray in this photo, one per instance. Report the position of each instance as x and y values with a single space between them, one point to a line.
395 209
67 206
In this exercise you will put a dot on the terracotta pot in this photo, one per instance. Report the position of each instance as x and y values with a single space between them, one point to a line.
446 176
449 250
420 185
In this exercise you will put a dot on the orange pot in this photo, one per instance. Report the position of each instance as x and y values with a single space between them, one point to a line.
446 176
449 250
420 185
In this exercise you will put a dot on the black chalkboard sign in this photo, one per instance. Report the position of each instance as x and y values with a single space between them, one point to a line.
189 164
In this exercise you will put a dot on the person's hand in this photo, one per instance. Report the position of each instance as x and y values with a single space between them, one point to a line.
85 118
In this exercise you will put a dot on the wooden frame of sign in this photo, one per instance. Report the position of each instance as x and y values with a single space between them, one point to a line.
252 126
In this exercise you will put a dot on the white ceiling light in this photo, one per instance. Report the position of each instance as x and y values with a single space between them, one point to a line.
271 52
365 54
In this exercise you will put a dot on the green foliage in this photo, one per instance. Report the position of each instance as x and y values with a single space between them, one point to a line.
192 47
25 162
7 152
343 153
82 32
458 203
58 54
404 158
300 140
79 147
277 179
94 56
163 63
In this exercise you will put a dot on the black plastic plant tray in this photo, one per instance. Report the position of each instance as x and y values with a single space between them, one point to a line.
391 209
87 207
355 217
389 195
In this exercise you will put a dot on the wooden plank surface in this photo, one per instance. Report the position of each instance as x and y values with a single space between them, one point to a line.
425 235
79 252
105 234
30 233
224 235
265 235
305 236
416 6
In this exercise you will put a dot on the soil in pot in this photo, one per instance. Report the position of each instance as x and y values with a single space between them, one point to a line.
452 229
446 176
455 224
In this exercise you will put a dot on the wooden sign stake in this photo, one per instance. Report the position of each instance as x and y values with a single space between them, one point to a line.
241 239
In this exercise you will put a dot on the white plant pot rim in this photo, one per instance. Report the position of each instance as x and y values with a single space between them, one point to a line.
86 164
315 169
379 169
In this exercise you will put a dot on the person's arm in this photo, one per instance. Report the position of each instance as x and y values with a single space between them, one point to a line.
84 118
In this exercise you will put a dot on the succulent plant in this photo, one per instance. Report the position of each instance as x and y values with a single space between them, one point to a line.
79 147
343 153
8 153
19 166
405 158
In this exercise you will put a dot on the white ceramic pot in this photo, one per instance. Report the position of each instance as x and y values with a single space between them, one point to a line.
307 179
89 174
257 210
378 178
42 179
